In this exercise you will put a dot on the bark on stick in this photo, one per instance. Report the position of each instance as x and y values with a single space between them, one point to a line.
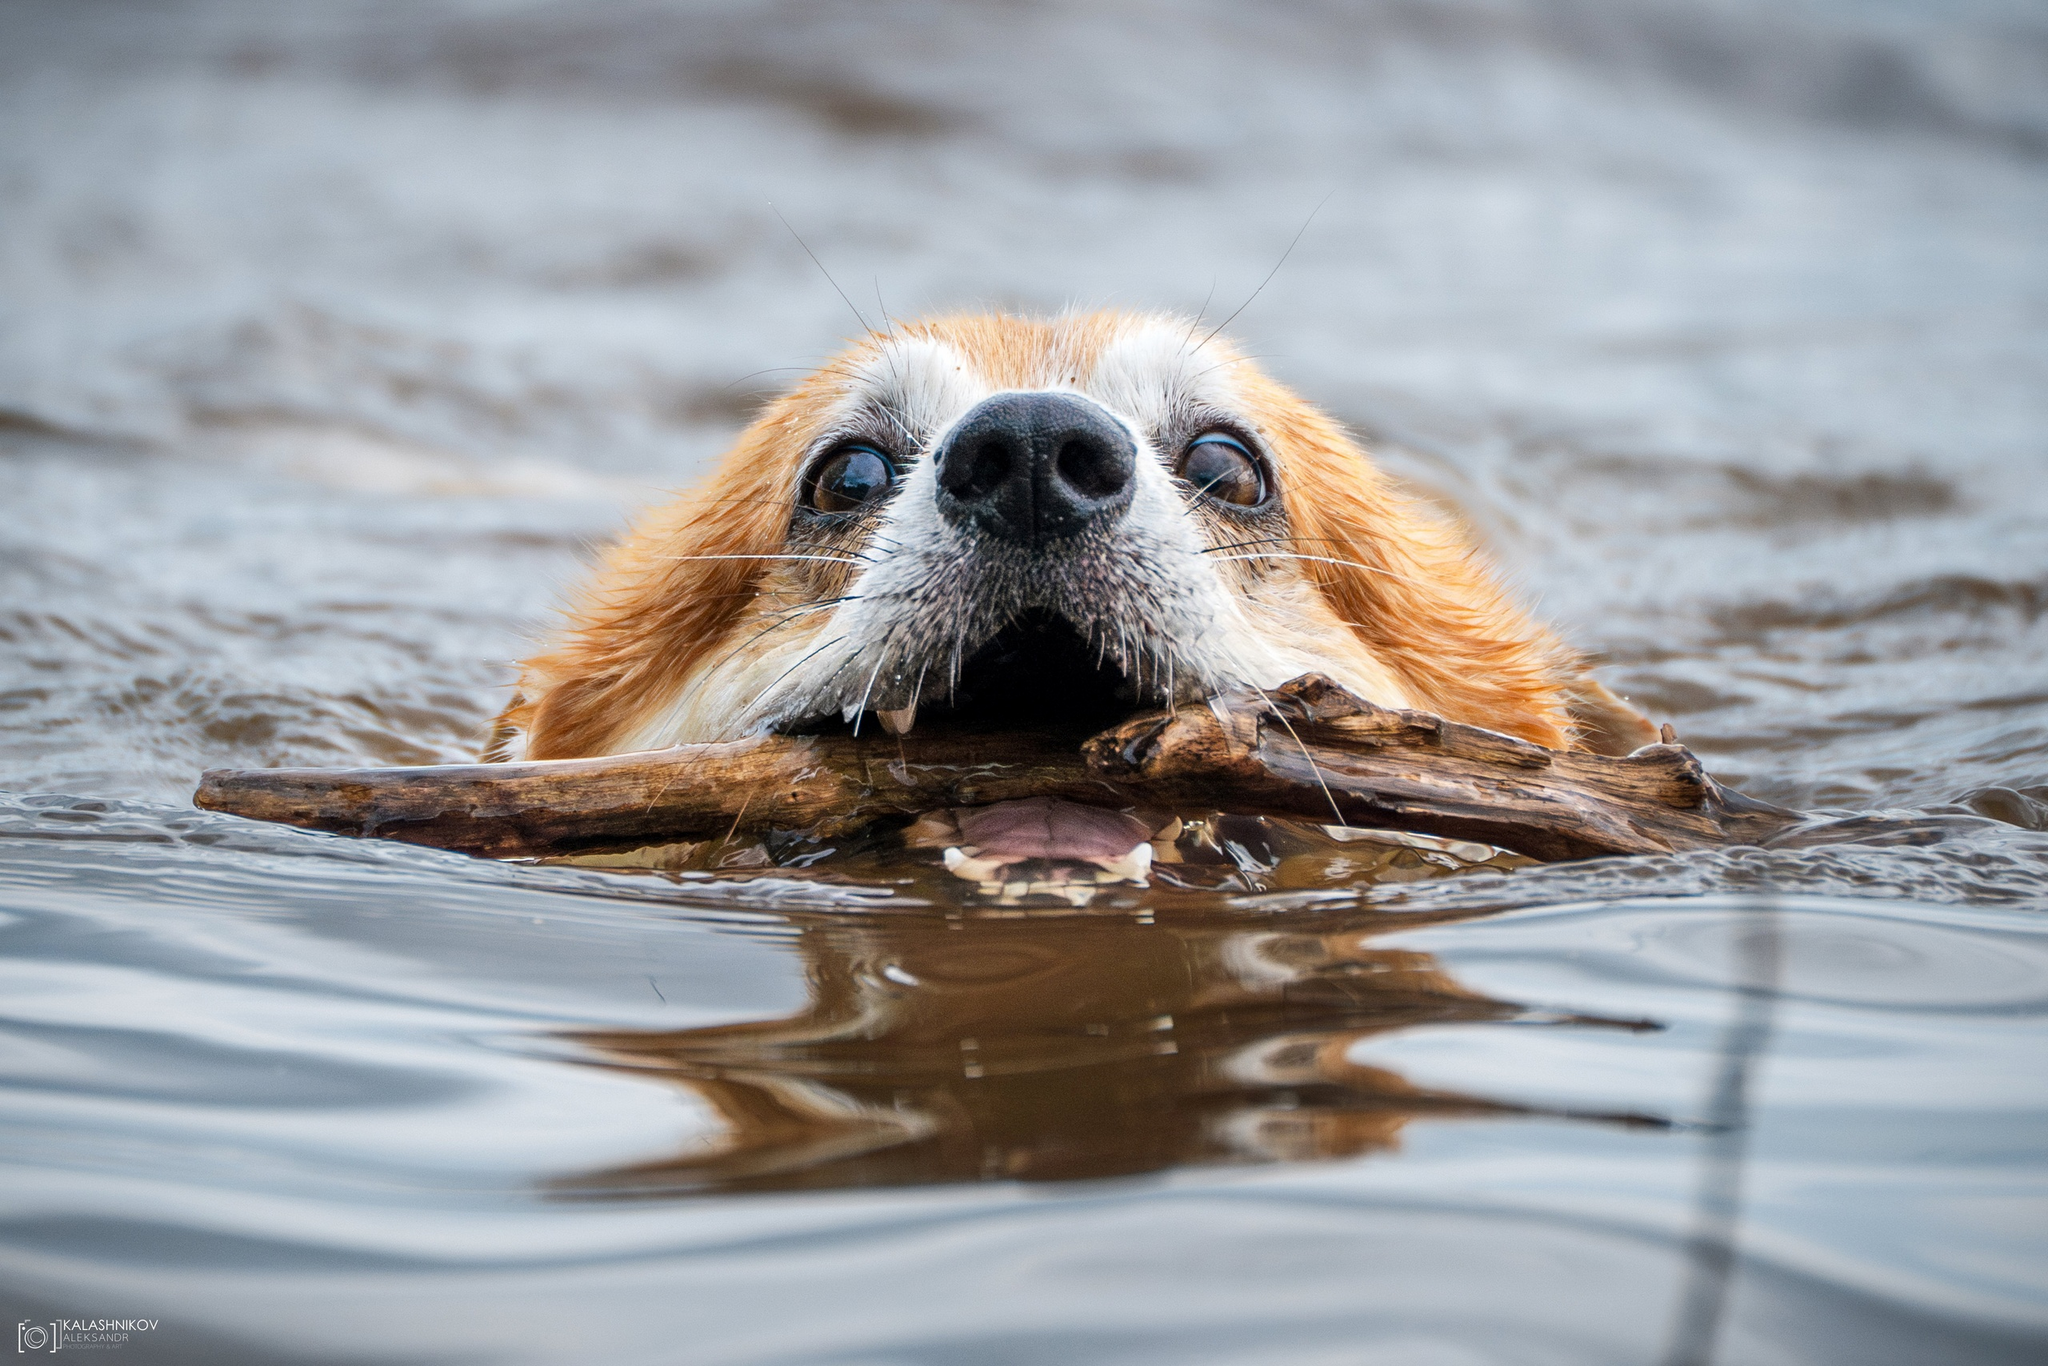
1307 750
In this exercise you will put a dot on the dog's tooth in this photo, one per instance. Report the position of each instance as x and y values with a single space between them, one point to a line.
966 866
900 721
1135 866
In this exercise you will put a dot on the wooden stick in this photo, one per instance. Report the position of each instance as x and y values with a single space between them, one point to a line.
1307 749
1318 752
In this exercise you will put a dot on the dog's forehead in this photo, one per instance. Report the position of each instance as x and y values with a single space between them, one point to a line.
1141 368
922 381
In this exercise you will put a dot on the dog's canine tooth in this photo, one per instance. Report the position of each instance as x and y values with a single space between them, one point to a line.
899 721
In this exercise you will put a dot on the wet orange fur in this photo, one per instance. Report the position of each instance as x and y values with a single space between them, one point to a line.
1408 586
666 595
1411 586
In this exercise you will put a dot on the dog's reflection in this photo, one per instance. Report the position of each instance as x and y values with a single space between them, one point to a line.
939 1050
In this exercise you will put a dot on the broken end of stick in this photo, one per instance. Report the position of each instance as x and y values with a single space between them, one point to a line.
1316 698
212 793
1211 742
312 799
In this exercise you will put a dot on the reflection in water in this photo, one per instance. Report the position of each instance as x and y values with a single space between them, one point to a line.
1710 1253
971 1049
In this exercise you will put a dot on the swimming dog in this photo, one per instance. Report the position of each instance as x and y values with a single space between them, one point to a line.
990 520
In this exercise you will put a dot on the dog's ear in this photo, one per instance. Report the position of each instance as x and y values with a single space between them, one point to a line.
1411 585
661 600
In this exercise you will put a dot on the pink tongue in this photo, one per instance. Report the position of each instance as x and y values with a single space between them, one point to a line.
1046 827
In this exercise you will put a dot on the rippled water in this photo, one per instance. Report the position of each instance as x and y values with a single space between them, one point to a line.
330 336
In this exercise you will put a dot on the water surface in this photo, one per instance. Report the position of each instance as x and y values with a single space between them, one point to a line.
330 339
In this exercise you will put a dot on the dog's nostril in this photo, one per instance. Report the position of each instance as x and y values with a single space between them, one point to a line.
1036 467
975 469
1091 466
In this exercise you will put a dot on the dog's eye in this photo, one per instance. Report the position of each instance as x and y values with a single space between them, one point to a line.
1219 466
850 476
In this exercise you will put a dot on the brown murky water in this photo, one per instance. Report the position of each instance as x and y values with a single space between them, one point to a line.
331 336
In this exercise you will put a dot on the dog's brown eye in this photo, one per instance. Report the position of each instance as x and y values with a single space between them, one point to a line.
851 475
1219 466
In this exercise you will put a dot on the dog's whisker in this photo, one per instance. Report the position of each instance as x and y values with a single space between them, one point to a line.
825 559
1277 540
869 691
1336 812
818 605
752 708
788 617
1274 271
1324 559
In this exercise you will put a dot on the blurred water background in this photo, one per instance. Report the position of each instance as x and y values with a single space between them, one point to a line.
331 338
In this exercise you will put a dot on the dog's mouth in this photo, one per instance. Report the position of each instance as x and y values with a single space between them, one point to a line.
1038 674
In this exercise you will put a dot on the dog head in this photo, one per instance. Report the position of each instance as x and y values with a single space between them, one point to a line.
990 518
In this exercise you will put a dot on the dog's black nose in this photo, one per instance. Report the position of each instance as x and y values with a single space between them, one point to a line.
1031 468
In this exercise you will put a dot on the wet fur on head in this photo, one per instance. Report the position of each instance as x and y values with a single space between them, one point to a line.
736 609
